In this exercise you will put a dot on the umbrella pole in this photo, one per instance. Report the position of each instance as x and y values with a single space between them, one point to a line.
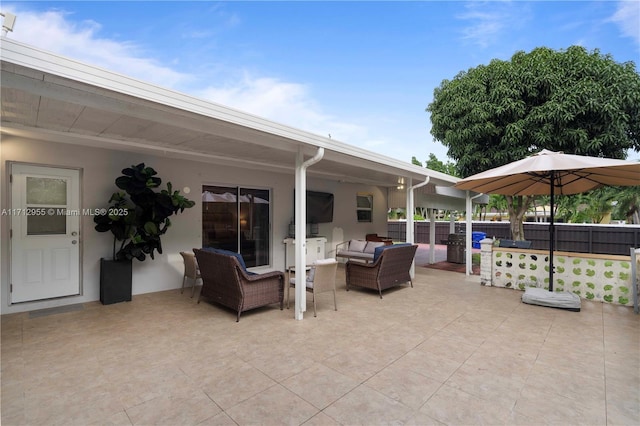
551 232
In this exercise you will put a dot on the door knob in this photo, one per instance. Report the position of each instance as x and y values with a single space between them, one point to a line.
74 242
74 233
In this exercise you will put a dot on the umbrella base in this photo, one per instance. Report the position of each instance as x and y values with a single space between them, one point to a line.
561 300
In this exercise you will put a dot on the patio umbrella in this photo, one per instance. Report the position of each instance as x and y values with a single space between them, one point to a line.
551 173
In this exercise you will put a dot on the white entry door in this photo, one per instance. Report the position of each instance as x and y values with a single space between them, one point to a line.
45 228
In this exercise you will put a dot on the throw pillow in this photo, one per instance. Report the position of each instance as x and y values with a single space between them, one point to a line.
378 251
357 245
231 253
372 245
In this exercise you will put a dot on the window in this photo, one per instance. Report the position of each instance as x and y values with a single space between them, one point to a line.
364 207
237 219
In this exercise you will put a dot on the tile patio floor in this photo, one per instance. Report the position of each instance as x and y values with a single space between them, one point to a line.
447 351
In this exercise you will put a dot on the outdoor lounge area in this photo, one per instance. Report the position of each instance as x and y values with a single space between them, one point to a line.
447 351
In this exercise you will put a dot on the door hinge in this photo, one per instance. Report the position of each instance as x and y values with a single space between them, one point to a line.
10 178
10 288
10 233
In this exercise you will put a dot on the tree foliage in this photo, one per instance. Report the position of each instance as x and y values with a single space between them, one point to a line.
627 206
571 100
434 164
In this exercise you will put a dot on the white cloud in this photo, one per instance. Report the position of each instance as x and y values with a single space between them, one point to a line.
489 20
54 32
289 103
485 24
284 102
627 17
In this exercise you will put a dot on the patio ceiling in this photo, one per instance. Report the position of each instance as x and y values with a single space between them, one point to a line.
48 96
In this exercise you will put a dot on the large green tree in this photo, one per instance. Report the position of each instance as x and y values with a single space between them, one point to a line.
569 100
434 164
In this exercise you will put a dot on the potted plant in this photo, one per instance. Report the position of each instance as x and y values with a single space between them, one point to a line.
137 218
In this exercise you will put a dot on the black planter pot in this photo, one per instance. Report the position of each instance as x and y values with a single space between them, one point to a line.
115 281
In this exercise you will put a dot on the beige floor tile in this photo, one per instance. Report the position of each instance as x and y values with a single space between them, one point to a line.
447 351
438 367
170 410
320 385
220 419
143 385
570 359
358 362
549 407
518 419
623 401
84 406
455 407
366 406
494 387
275 405
321 419
621 412
119 418
279 363
422 419
405 386
573 385
441 344
236 384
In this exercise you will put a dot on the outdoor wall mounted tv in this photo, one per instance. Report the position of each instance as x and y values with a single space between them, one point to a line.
319 207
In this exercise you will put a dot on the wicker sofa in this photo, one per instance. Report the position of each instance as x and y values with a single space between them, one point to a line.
226 281
389 268
358 249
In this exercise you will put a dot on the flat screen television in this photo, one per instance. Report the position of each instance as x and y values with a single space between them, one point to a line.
319 207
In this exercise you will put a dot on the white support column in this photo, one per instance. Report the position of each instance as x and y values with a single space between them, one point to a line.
301 229
410 209
432 236
300 238
410 223
410 213
469 233
467 243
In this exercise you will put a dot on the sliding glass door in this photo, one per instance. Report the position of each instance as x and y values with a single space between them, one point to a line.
237 219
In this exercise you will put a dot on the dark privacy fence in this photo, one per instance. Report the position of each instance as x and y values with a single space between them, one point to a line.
579 238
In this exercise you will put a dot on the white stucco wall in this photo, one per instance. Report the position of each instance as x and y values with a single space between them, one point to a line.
101 167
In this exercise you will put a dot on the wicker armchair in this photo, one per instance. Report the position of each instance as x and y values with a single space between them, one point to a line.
225 281
389 269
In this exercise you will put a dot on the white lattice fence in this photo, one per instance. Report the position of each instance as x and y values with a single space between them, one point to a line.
604 278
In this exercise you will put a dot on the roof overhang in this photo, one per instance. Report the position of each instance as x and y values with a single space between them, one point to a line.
48 96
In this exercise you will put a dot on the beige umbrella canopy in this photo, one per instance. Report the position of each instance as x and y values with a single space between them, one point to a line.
572 174
550 173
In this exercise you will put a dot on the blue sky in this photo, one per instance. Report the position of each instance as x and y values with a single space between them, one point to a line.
362 72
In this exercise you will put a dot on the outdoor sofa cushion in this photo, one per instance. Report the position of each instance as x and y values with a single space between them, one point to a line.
357 245
359 249
378 250
230 253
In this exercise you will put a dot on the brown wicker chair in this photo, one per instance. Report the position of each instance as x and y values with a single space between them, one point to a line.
390 269
226 282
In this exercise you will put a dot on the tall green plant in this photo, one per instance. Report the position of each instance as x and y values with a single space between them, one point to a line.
139 216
